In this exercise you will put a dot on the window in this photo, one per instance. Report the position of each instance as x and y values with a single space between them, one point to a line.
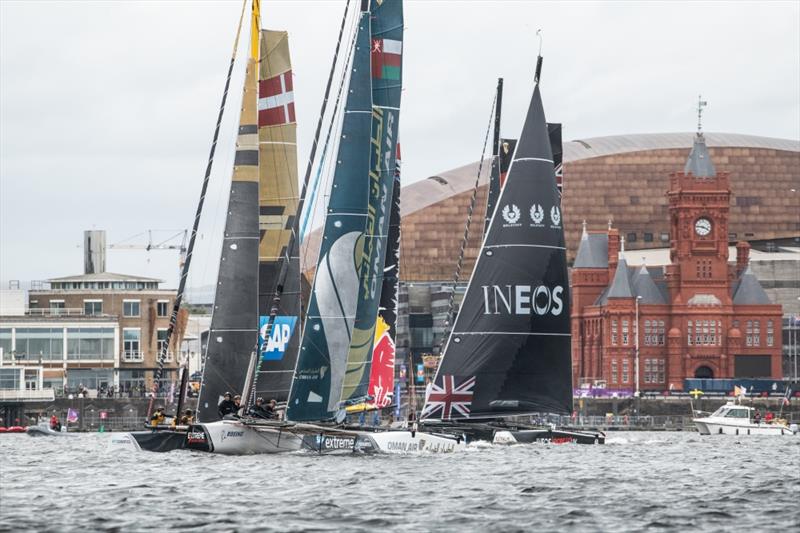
647 333
625 371
749 335
705 332
770 333
130 344
698 332
5 343
131 379
624 331
613 331
161 341
90 343
9 378
421 332
91 379
93 307
162 308
57 307
46 344
631 237
614 371
757 333
689 333
130 308
662 377
661 333
664 237
648 237
647 370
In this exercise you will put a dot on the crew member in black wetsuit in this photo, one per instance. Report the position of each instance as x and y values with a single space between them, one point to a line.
259 410
226 406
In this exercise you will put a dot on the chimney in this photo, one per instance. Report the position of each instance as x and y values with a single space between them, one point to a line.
742 257
613 251
94 251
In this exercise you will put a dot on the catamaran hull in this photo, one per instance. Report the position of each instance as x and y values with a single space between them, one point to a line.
547 436
706 427
415 442
226 437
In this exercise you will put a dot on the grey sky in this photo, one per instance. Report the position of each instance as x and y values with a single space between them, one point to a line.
107 108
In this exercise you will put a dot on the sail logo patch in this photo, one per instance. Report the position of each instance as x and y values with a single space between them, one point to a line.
449 399
511 214
537 214
274 347
522 300
555 216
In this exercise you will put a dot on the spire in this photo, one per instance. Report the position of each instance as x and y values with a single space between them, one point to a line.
699 163
621 286
644 286
584 233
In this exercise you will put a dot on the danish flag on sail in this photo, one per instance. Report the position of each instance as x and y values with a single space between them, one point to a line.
276 100
449 398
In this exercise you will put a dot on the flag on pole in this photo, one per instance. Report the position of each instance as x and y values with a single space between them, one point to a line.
787 395
72 415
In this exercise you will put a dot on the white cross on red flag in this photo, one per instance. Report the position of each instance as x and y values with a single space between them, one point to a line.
276 100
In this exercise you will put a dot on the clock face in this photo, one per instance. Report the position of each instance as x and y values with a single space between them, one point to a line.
702 227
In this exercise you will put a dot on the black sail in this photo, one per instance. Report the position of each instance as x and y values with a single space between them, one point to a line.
509 351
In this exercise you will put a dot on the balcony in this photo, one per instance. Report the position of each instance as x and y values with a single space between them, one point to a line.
44 395
63 311
131 356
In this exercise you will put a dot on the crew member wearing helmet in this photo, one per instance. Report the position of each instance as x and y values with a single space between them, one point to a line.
226 406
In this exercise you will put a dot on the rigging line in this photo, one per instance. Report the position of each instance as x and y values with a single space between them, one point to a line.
465 239
293 237
173 320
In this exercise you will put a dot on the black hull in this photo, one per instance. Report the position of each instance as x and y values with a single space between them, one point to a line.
167 440
554 436
483 431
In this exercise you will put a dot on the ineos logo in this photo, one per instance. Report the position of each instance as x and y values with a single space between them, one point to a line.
522 300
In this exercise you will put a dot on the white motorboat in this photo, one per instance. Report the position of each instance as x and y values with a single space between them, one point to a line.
43 429
732 419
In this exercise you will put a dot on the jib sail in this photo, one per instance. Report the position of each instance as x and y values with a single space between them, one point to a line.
386 47
320 371
277 207
509 351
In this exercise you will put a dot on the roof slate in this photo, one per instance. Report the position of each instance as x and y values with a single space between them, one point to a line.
699 163
749 290
593 251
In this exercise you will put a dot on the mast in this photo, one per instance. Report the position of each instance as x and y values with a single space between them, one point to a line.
320 370
509 350
386 38
173 319
233 333
494 177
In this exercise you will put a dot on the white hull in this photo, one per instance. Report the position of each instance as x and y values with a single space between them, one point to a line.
712 426
231 437
418 442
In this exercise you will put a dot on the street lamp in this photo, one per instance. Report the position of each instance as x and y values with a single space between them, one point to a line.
636 345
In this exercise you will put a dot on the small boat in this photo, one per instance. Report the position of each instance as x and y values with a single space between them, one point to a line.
43 429
12 429
733 419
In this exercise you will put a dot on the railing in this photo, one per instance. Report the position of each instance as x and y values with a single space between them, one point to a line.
42 395
130 356
64 311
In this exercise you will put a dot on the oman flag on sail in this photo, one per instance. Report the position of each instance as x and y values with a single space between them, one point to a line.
387 55
276 100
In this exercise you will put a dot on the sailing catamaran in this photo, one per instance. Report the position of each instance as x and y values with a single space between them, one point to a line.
508 353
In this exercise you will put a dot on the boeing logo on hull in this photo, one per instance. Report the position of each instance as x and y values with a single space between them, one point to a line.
522 300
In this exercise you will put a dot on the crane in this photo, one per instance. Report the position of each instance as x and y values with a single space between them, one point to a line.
169 243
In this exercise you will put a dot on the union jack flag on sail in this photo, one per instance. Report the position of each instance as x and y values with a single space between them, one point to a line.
449 400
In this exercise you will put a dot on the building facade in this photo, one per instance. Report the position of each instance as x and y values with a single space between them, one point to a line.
99 330
650 327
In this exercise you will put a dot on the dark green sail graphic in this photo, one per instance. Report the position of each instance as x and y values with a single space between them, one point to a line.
331 313
386 53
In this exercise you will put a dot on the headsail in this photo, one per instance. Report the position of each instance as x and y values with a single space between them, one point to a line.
234 325
320 368
509 351
278 200
386 47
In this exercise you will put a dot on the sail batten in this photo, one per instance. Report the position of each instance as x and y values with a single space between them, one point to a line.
509 350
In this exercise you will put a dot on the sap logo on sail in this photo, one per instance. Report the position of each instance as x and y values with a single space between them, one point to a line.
522 300
273 348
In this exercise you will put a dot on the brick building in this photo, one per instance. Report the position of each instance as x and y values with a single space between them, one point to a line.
649 327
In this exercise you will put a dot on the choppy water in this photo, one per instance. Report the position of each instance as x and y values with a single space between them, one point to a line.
664 481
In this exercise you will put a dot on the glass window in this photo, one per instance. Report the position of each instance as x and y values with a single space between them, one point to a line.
5 343
90 378
647 333
647 370
661 372
625 371
614 371
162 308
689 333
631 237
131 338
613 331
93 307
664 237
90 343
648 237
131 381
770 333
757 333
624 331
661 333
57 307
9 378
161 339
421 332
130 308
46 344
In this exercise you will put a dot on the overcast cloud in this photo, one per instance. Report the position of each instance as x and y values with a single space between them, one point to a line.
107 108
